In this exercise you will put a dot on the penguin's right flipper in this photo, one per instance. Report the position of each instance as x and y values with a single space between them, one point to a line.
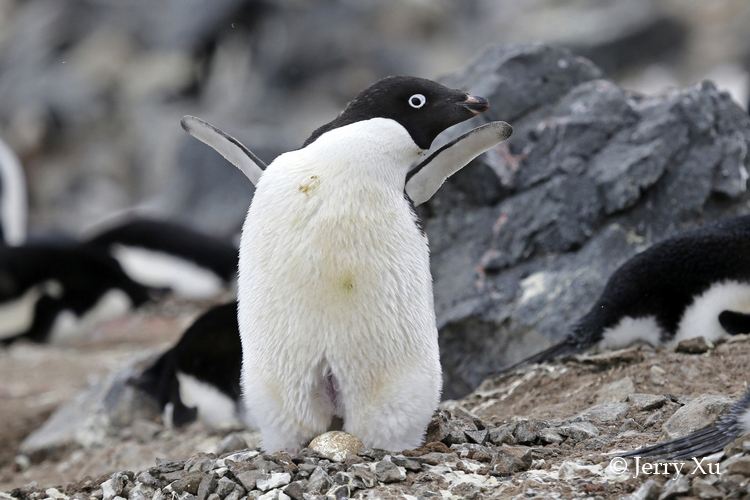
424 179
735 323
227 146
706 441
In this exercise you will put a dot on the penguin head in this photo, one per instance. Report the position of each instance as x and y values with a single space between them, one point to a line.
423 107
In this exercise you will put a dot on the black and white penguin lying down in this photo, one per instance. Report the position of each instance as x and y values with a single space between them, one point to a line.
165 254
52 292
711 439
694 284
200 376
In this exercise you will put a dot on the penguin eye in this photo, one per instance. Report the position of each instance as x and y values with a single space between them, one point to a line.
417 101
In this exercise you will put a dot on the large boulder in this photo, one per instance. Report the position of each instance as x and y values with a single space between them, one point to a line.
524 239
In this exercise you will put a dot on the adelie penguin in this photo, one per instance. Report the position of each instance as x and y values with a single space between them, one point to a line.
13 207
199 377
694 284
52 292
336 308
711 439
164 254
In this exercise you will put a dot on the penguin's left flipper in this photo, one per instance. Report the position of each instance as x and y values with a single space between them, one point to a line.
425 178
735 323
227 146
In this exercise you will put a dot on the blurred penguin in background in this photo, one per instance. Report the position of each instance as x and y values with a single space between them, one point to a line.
56 292
13 209
164 254
199 377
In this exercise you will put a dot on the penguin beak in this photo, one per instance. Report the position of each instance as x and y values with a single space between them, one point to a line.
476 104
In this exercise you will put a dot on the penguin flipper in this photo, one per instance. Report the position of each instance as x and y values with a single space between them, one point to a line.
227 146
425 178
706 441
735 323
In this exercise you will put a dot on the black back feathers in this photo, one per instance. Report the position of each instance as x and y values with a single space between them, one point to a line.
209 351
662 281
174 239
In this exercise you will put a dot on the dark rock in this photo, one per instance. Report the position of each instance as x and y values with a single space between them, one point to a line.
365 475
249 478
207 486
592 174
388 472
225 486
189 483
509 460
319 481
695 345
407 463
296 489
341 492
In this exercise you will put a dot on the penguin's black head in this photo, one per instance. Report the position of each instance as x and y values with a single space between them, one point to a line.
423 107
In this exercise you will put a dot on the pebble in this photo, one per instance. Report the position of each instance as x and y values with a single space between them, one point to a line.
695 345
336 445
647 402
388 472
274 480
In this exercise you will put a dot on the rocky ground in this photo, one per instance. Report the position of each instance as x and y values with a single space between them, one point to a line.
543 431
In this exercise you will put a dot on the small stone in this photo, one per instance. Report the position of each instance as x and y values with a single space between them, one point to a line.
388 472
698 413
275 480
230 443
739 466
207 485
365 475
114 486
550 436
604 413
704 489
527 431
274 495
695 345
249 478
342 492
511 459
675 487
478 436
578 431
616 391
649 490
296 489
647 402
336 445
657 374
611 358
201 463
238 457
54 493
188 483
148 479
436 458
319 481
213 496
407 463
225 486
472 451
140 492
502 435
236 494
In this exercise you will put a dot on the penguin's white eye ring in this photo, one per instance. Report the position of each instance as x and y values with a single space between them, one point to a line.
417 101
